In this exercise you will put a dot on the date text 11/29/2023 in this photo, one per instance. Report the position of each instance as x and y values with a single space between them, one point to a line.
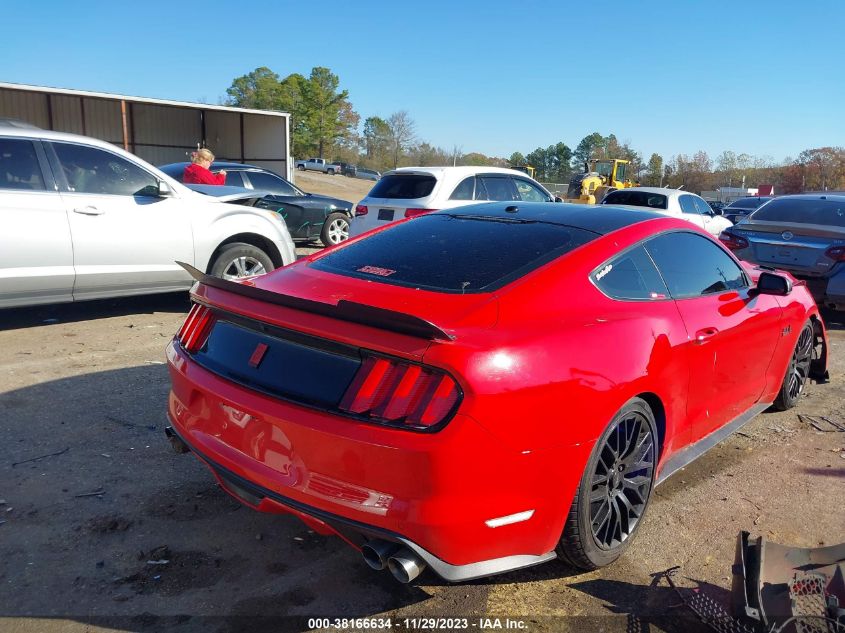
413 624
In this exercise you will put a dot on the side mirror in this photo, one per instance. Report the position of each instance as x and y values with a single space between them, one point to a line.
772 284
164 189
558 199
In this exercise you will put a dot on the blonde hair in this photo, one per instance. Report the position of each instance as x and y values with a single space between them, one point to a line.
202 154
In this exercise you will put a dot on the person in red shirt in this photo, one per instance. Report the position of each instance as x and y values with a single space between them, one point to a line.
197 172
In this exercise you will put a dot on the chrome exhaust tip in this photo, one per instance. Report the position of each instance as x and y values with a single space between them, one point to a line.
405 566
377 552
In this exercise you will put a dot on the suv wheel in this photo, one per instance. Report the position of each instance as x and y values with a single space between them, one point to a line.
239 260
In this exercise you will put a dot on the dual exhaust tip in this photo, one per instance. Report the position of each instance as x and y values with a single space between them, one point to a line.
404 564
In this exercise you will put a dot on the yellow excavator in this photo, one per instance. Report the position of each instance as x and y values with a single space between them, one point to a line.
600 177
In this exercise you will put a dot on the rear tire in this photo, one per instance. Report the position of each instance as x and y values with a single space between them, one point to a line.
301 167
239 260
614 491
335 229
798 370
330 172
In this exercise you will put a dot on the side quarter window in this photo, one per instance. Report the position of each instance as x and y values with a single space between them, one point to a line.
632 276
693 266
464 190
19 167
93 170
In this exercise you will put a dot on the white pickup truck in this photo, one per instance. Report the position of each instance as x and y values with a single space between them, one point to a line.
318 164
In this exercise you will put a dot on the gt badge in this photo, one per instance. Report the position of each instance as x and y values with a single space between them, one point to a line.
258 355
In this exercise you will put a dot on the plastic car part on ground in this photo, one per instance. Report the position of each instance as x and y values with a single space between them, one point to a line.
776 589
775 585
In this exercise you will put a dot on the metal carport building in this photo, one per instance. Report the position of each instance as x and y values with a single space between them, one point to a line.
157 130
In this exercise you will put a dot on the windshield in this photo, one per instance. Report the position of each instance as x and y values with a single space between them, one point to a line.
636 198
459 253
803 211
604 168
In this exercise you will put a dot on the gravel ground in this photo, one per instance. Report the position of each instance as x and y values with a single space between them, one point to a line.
343 187
93 502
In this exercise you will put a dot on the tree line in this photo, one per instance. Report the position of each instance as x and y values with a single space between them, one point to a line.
324 124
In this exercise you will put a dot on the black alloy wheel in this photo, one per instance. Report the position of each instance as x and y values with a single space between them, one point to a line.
798 371
621 481
615 490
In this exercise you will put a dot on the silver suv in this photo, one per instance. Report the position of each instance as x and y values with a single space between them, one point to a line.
83 219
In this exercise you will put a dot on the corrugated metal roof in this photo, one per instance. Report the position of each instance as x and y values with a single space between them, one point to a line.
107 95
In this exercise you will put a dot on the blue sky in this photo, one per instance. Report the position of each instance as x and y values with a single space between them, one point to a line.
671 77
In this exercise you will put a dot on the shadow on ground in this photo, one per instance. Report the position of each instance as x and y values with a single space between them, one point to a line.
103 524
657 604
18 318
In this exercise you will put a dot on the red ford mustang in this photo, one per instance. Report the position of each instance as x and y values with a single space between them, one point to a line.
486 388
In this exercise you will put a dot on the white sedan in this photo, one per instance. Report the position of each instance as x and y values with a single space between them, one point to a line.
83 219
674 202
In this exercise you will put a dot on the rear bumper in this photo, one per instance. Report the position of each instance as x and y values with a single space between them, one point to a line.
354 532
432 492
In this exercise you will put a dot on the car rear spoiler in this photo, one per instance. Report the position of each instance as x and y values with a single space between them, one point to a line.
344 310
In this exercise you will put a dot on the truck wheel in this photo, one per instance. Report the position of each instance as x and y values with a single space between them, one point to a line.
330 172
301 167
239 260
335 229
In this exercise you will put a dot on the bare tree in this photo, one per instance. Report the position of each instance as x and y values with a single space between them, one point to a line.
402 134
457 153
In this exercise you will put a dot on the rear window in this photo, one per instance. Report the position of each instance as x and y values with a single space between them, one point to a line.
817 211
746 203
403 186
637 199
461 252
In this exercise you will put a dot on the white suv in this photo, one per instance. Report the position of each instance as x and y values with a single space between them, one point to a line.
410 191
83 219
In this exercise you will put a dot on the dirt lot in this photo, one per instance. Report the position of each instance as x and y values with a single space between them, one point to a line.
103 527
352 189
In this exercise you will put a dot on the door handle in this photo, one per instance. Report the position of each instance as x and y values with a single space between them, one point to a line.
705 334
88 210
